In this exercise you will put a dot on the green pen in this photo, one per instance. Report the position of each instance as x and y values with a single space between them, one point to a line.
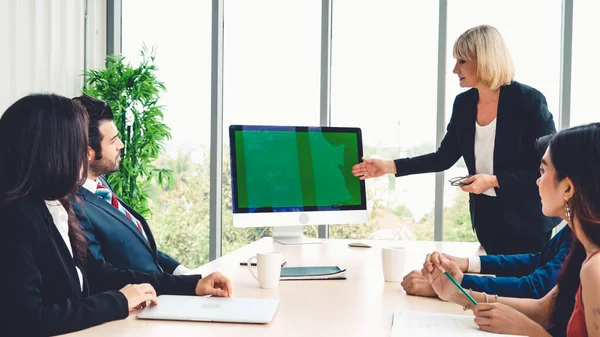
471 299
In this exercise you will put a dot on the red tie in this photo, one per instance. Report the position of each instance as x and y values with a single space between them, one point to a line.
110 197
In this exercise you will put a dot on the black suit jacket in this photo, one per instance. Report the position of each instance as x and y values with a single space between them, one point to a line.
523 117
114 238
41 294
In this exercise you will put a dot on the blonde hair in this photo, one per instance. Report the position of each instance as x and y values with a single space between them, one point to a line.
494 65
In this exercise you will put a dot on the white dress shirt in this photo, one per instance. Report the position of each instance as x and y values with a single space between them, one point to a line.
60 217
474 264
485 137
92 186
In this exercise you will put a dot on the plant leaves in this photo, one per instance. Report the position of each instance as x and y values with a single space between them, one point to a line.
133 94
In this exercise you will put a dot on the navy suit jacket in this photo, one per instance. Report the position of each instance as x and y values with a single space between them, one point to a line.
523 275
522 118
114 238
41 293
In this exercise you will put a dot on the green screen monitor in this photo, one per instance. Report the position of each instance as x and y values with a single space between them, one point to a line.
290 176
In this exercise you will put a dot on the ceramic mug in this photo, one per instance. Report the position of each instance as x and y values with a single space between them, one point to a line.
268 266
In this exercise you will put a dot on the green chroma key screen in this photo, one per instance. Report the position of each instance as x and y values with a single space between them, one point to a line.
295 168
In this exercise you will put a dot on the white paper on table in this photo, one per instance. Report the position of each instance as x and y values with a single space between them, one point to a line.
427 324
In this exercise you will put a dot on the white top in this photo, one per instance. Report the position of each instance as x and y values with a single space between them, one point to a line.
92 186
485 136
61 221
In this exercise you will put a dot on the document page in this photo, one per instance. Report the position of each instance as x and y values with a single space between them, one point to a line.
427 324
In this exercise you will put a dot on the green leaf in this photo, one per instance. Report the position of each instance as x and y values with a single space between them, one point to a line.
133 94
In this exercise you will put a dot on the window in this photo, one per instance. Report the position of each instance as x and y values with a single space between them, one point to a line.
383 80
531 31
181 35
271 76
585 70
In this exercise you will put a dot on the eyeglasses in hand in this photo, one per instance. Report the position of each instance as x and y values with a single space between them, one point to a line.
458 181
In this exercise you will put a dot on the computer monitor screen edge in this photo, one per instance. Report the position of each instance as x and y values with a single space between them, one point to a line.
290 176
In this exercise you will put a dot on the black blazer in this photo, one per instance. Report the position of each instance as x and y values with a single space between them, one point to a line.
41 294
114 238
523 117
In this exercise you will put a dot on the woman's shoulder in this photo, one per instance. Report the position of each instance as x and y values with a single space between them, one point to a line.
20 204
21 209
523 89
590 270
465 99
466 95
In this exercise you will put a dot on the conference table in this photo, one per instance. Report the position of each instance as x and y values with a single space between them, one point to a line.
361 305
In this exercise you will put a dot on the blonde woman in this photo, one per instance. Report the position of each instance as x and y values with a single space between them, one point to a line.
494 126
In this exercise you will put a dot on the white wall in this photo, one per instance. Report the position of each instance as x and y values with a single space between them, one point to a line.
42 46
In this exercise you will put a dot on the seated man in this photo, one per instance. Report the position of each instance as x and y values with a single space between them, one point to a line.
520 275
116 233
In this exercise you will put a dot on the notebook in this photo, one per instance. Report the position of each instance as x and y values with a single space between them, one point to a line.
313 273
212 309
427 324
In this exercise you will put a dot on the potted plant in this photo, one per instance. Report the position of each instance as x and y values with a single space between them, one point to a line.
133 93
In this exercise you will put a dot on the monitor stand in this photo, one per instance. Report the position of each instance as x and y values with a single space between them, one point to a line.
291 235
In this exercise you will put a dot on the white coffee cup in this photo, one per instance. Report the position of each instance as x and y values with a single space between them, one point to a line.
392 260
269 269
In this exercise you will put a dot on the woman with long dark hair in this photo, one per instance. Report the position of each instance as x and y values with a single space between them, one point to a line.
49 285
569 188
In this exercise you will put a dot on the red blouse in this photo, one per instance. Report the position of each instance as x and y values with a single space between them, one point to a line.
577 327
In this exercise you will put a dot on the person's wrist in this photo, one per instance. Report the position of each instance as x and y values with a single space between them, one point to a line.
199 291
460 299
533 329
463 264
495 181
391 167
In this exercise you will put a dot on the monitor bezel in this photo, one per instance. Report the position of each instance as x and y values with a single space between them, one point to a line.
296 209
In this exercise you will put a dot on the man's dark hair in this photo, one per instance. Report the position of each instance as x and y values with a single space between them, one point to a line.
44 154
98 112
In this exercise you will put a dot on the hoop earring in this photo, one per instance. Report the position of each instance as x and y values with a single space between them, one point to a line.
567 210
